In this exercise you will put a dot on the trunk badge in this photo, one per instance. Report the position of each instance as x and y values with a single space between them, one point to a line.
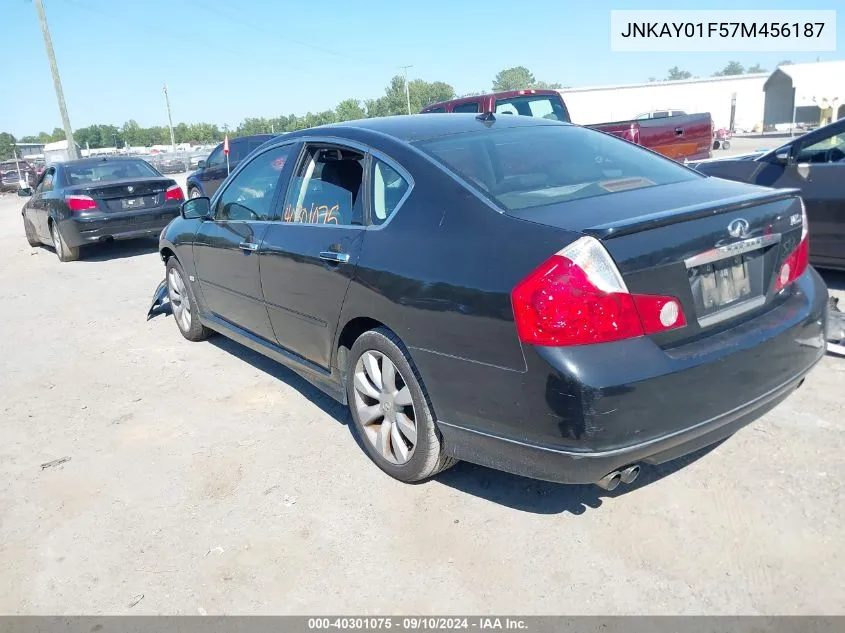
738 228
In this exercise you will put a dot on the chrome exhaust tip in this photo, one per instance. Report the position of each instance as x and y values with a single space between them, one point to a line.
628 475
610 481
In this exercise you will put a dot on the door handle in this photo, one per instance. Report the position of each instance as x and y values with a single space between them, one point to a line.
331 256
248 246
679 131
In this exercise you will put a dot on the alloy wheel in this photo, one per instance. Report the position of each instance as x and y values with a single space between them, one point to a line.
179 299
57 241
384 407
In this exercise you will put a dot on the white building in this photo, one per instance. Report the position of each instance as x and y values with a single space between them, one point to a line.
713 95
792 92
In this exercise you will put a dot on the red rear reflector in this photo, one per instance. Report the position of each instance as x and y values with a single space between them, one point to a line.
174 192
80 203
797 261
578 297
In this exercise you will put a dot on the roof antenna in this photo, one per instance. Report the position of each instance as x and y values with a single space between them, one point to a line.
487 118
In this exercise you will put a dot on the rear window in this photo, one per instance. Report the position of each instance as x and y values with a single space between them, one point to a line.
109 170
537 106
525 167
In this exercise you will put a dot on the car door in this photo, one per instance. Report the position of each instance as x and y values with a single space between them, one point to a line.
309 255
818 163
214 172
38 205
226 248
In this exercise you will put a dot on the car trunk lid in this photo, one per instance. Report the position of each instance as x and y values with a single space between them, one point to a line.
126 195
715 245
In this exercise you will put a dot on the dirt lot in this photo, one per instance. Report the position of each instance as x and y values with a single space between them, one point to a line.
206 479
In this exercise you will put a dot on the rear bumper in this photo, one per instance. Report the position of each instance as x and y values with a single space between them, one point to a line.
99 228
579 413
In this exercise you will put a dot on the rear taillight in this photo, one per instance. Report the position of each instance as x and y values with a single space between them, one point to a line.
174 192
80 203
797 261
578 297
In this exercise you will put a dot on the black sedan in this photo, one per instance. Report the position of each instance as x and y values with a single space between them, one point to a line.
526 294
813 163
96 200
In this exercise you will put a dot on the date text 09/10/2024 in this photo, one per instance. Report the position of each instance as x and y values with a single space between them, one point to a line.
417 623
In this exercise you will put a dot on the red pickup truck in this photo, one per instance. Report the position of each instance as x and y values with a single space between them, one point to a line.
685 137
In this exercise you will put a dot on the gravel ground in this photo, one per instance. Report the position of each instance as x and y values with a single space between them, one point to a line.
203 478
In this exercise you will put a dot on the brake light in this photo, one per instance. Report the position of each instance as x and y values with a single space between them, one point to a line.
174 192
797 261
578 297
80 203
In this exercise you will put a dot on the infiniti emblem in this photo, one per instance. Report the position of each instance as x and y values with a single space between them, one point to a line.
130 189
738 228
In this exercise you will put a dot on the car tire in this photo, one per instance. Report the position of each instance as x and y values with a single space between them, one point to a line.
31 237
407 452
194 192
184 304
726 144
64 252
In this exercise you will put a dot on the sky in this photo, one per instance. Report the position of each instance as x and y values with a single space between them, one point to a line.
224 61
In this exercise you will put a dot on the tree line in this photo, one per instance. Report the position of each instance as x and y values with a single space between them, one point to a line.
732 68
393 101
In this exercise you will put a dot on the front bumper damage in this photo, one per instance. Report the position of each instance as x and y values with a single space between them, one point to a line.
161 301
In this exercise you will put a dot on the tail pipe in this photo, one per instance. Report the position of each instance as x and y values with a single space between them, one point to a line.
612 480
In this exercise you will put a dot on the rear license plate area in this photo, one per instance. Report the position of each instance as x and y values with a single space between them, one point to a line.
728 287
132 203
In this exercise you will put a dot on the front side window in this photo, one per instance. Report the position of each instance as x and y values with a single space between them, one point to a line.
47 181
249 195
326 188
526 167
389 189
537 106
216 158
827 150
434 110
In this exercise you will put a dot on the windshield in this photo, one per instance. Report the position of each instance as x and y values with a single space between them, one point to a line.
109 170
527 167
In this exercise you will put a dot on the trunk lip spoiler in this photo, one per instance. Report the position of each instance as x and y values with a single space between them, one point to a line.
691 212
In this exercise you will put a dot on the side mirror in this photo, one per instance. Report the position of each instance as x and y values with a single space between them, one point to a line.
782 158
24 192
200 164
196 209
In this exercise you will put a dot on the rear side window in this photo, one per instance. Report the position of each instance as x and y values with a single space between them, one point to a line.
389 189
466 107
525 167
326 188
537 106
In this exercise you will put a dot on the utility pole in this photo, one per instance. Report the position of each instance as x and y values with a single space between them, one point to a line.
169 121
57 82
407 89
